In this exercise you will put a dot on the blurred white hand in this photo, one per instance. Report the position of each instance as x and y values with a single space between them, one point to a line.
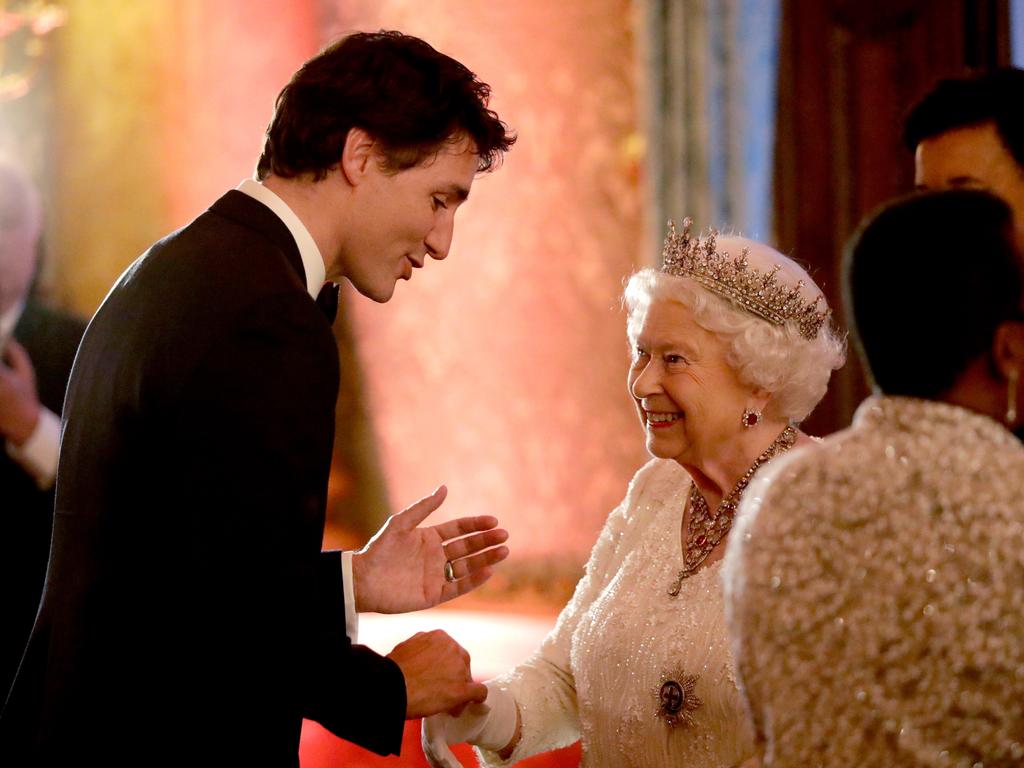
490 725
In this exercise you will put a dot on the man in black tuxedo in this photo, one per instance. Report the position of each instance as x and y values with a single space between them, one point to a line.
37 348
189 616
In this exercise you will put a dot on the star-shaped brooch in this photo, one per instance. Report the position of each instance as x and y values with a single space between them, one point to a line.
676 700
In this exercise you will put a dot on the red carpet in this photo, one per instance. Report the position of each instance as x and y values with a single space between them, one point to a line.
321 749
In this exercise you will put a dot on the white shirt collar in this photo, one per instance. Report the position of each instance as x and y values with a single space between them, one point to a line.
8 320
312 261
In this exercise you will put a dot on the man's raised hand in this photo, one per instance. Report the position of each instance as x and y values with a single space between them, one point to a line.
405 567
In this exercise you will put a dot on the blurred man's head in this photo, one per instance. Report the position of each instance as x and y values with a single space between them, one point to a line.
969 133
21 223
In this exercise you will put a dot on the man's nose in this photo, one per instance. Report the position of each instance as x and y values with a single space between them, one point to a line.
439 239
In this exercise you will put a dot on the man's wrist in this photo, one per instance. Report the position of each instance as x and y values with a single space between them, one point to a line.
359 579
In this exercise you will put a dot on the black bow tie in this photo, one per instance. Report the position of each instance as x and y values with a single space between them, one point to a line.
327 300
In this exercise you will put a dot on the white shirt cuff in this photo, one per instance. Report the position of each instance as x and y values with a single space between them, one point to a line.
38 455
351 617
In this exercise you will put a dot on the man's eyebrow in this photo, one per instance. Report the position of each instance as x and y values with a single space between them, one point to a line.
959 181
965 180
459 192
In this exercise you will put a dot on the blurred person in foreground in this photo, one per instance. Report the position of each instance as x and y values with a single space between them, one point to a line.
189 615
875 581
732 348
37 348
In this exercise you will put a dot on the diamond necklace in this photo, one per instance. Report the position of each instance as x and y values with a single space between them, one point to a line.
705 530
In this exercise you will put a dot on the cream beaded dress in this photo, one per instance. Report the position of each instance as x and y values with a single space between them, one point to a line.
625 657
877 587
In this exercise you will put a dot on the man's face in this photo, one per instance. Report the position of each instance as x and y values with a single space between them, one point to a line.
20 222
406 217
972 157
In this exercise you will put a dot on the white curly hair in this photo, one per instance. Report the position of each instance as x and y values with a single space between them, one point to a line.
774 358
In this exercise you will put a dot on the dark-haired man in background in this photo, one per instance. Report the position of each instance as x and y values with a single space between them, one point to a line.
969 133
189 616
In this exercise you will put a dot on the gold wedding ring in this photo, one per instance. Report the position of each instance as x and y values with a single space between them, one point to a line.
449 571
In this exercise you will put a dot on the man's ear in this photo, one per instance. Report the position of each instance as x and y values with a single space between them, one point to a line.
359 151
1008 349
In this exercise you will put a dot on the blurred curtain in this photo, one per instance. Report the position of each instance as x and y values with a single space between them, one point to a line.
711 79
1017 32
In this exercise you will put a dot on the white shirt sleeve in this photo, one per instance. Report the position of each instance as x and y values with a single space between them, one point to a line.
351 617
38 455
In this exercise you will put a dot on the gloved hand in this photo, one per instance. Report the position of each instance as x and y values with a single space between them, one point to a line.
490 725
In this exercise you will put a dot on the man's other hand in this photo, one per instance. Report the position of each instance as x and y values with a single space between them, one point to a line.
403 567
437 674
19 403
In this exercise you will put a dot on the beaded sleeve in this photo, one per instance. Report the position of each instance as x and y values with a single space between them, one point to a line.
543 685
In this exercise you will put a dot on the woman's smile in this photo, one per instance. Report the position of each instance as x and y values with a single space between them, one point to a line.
661 419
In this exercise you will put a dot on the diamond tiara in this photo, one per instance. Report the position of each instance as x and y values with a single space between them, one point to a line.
734 279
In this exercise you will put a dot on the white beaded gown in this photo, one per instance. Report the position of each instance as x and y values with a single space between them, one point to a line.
625 657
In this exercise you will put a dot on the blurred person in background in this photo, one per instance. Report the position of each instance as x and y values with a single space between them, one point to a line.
37 348
875 581
968 133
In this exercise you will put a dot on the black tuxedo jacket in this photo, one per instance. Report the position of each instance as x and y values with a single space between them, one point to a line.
189 616
50 338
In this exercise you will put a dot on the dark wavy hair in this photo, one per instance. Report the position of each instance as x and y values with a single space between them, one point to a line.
927 279
408 96
988 97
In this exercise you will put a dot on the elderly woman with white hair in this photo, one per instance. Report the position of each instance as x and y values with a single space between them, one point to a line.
731 349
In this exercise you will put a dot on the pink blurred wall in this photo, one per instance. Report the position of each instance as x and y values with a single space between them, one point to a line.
501 371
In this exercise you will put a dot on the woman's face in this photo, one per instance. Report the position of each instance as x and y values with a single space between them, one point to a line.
689 399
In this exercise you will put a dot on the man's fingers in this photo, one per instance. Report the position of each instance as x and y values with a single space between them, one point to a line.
463 525
467 584
414 514
470 545
476 693
17 359
467 565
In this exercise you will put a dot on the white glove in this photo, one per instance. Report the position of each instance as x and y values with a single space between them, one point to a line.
490 725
